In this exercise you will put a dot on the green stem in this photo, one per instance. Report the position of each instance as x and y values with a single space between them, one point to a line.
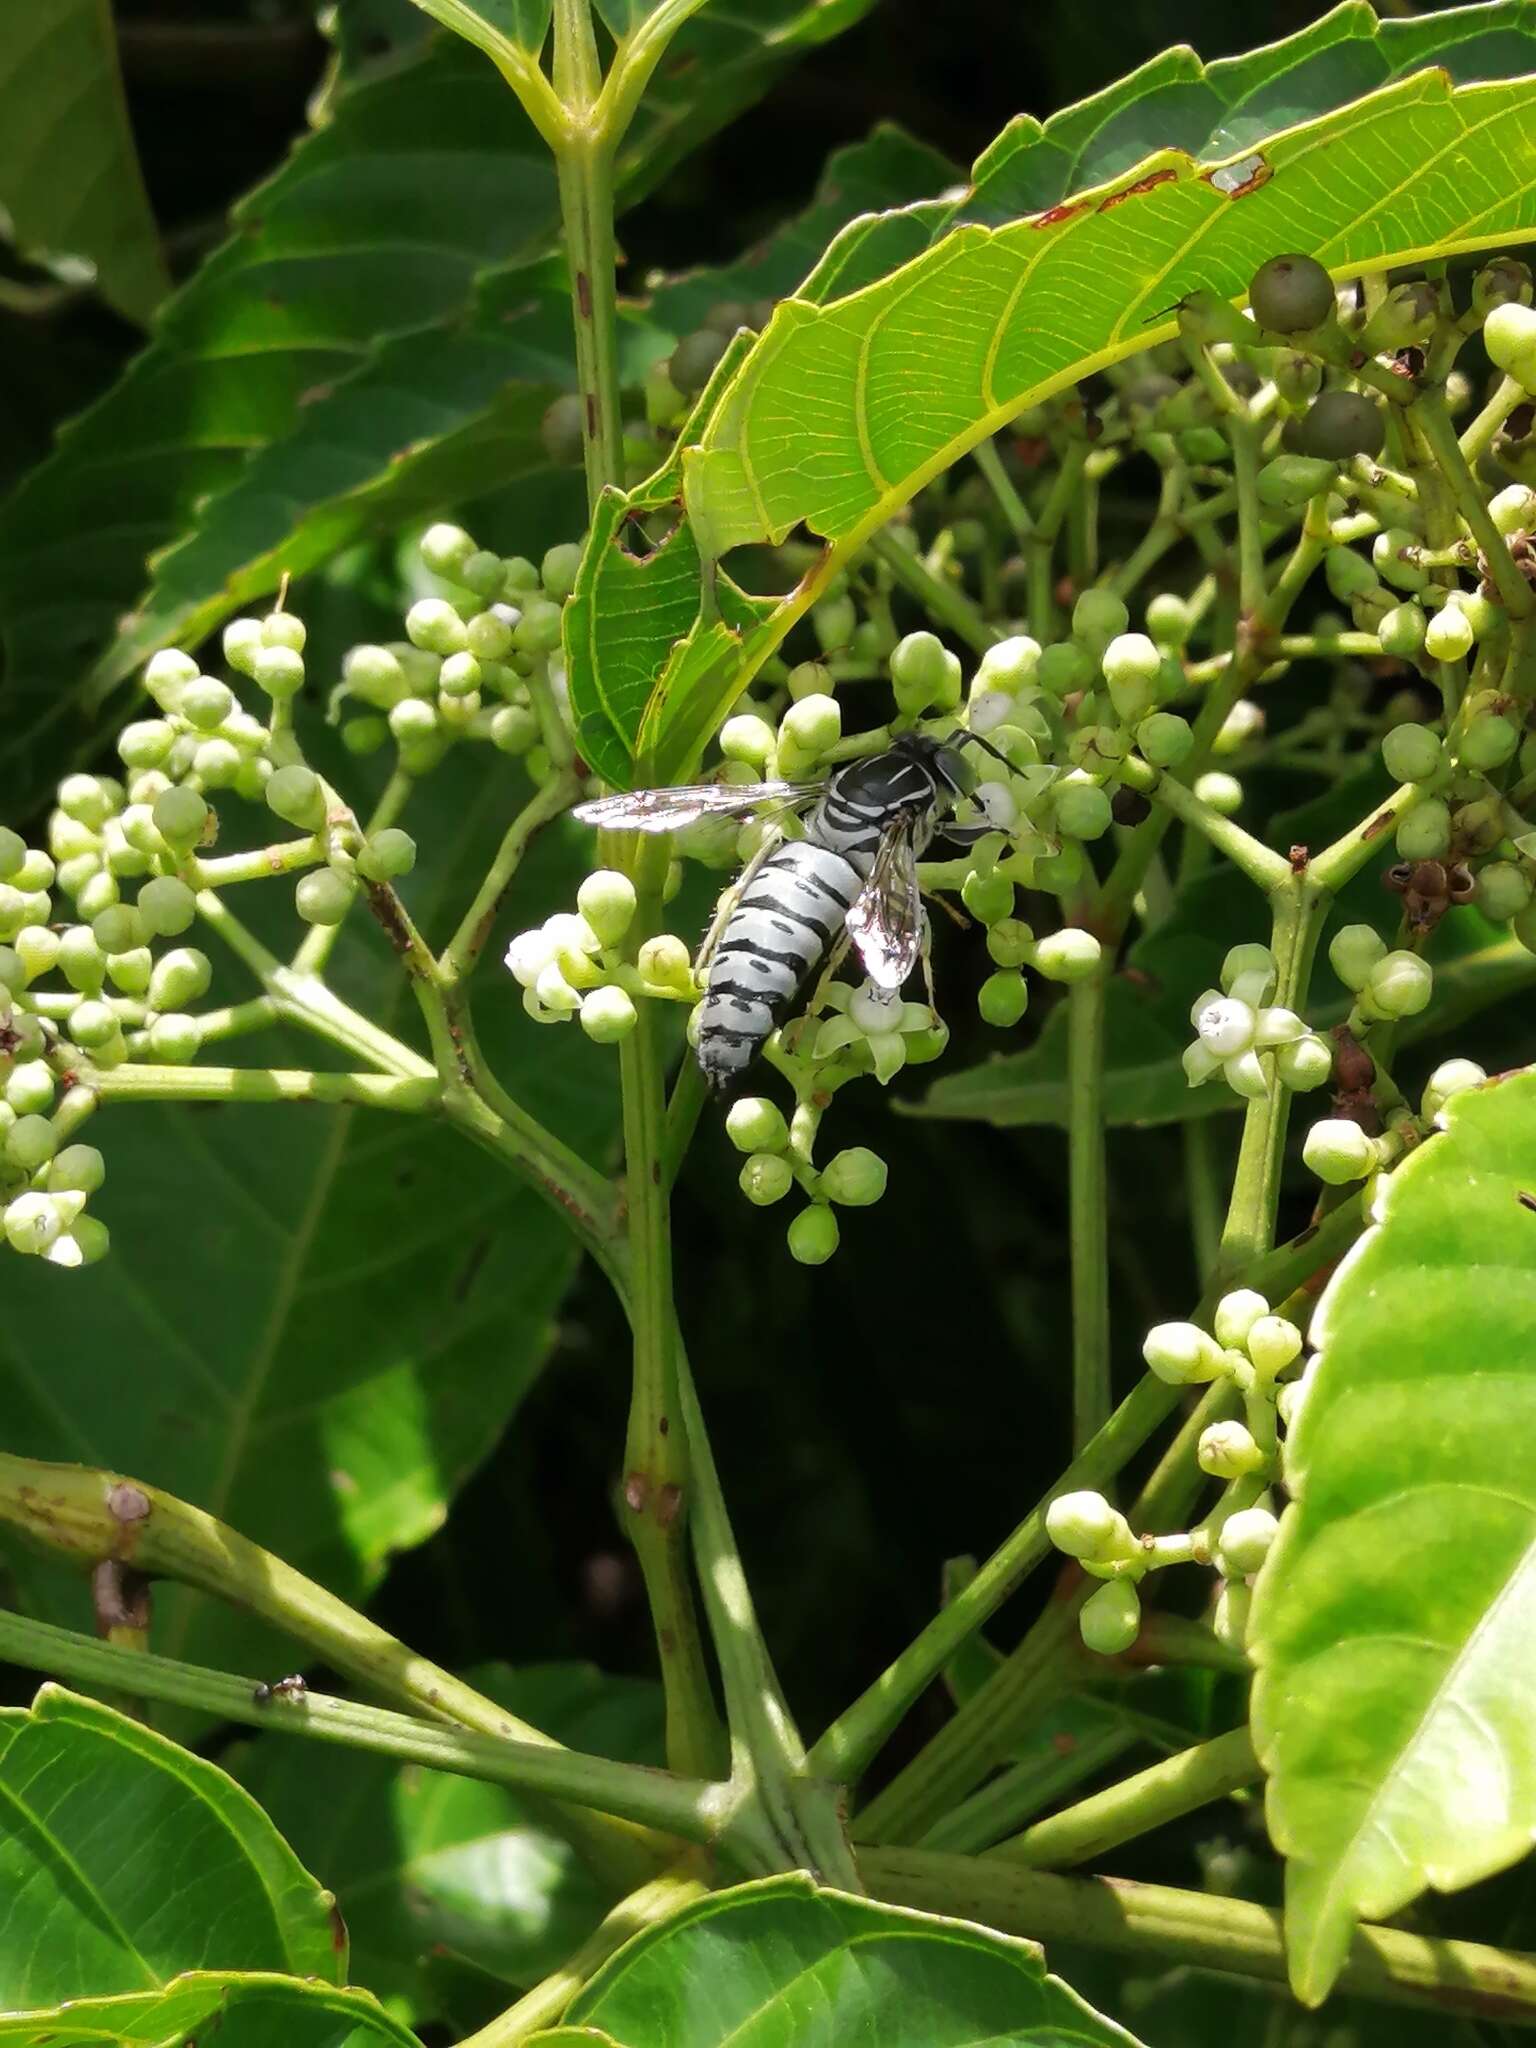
264 1084
1479 436
1016 1794
286 858
1001 484
1434 423
1262 867
319 942
1088 1196
628 1792
945 603
1163 1792
1201 1182
1166 1926
458 958
585 167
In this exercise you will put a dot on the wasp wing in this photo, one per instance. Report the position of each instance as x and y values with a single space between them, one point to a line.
886 921
669 810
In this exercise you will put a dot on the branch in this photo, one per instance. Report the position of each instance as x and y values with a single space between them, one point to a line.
132 1083
1148 1799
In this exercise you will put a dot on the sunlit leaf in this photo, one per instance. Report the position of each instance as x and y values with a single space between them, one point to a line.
1393 1704
248 2009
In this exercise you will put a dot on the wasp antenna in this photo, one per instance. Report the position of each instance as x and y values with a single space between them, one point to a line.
987 744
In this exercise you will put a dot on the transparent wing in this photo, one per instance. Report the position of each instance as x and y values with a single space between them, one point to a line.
668 810
886 922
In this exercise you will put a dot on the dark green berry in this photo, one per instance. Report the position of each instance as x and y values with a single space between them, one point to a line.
1339 424
694 359
560 430
1291 294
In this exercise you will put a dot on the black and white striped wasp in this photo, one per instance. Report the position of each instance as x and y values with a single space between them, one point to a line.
852 877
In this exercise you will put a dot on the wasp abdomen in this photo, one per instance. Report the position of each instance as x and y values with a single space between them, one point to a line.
795 906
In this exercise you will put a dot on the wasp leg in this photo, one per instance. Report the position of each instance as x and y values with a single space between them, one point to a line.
729 898
835 958
964 836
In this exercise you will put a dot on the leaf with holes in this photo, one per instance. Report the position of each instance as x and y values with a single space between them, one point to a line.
1391 1628
90 1803
848 406
69 173
319 1320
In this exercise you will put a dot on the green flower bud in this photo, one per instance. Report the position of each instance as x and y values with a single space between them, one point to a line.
86 799
1010 942
1182 1354
93 1024
283 629
809 679
489 634
33 1223
118 929
606 899
1272 1344
296 795
1348 574
1509 335
754 1124
1489 742
665 962
175 1038
13 973
1111 1618
1291 294
1165 739
1304 1063
813 1235
29 1088
180 977
279 672
1245 1541
217 763
445 548
1009 665
1448 635
765 1178
1003 999
607 1015
433 625
1513 510
1085 1526
1068 955
1401 633
1412 753
1132 666
37 948
78 1169
180 817
1387 556
130 971
167 674
1203 444
1063 668
1424 833
375 675
834 621
1339 424
1406 318
1354 952
514 729
558 570
206 703
1401 985
1169 620
13 852
814 725
242 643
387 855
1338 1151
1450 1078
81 959
924 673
30 1143
855 1178
1236 1314
1228 1451
1098 617
1224 793
988 897
538 630
482 572
323 897
1287 482
146 743
749 738
460 676
1082 810
413 720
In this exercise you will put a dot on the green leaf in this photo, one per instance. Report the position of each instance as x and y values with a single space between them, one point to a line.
315 1323
1392 1621
337 367
573 2037
425 1865
69 173
848 406
782 1961
125 1860
246 2009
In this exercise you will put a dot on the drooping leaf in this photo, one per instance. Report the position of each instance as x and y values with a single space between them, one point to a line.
426 1865
69 174
1393 1703
248 2009
357 315
314 1322
784 1962
125 1860
849 405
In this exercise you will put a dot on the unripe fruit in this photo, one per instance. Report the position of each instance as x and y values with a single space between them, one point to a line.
1085 1526
1509 335
1068 955
988 897
1182 1354
1412 753
1245 1540
813 724
607 1015
809 679
30 1143
1338 1151
1503 890
1401 633
1228 1451
1289 480
854 1177
433 625
78 1169
1339 424
1008 666
1165 739
1003 998
175 1038
1401 985
765 1178
1489 742
1010 941
118 929
1291 294
1424 833
180 816
1448 635
754 1124
1354 952
1272 1344
1450 1078
665 962
1083 810
297 795
180 977
813 1235
924 673
1111 1618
